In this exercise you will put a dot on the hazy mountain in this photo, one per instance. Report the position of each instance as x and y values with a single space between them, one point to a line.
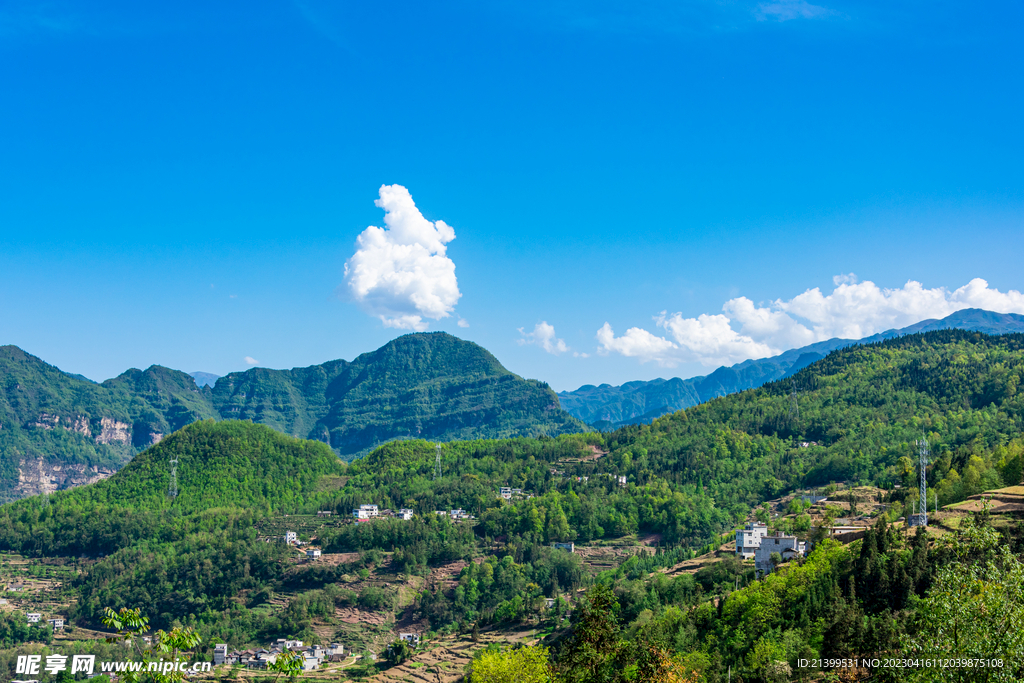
58 431
608 406
204 378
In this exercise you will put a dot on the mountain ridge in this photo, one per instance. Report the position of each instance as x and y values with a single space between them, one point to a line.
638 402
57 430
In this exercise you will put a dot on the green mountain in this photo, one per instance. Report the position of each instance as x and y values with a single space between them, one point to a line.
609 407
431 386
688 477
227 467
57 430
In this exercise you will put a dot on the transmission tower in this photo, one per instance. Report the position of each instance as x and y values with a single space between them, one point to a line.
921 519
794 404
172 488
437 463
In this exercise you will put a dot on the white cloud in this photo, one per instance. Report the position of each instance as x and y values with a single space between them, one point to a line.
401 273
463 322
784 10
852 310
845 279
249 360
543 335
637 343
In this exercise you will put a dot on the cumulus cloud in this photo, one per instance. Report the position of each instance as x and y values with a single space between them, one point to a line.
543 335
463 322
852 310
249 360
400 273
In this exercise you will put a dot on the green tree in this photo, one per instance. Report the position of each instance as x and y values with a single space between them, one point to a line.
975 609
398 652
517 665
130 626
287 663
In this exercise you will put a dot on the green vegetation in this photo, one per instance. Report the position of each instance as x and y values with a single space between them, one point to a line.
682 482
608 407
431 386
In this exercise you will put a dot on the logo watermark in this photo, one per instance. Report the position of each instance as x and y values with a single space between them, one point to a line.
33 665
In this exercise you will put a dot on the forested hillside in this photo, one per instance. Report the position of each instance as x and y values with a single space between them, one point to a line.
609 407
428 386
57 430
682 480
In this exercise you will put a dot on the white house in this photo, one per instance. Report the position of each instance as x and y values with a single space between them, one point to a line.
748 540
505 492
406 514
34 617
220 653
366 512
787 547
411 638
57 624
313 553
570 546
291 537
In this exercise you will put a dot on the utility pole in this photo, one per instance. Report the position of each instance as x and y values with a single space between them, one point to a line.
437 463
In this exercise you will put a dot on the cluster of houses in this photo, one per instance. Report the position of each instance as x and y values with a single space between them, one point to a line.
313 656
454 514
508 493
292 538
368 511
620 479
36 618
755 542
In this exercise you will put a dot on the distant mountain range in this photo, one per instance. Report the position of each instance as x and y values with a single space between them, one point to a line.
204 378
58 430
608 407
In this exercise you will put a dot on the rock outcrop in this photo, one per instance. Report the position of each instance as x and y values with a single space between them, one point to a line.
112 431
36 476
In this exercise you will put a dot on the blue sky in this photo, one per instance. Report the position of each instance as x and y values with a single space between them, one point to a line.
184 185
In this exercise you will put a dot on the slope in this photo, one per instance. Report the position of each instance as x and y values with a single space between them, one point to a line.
69 428
220 466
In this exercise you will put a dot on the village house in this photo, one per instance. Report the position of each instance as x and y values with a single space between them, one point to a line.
366 512
788 547
749 539
412 638
313 553
460 514
34 617
291 538
570 546
56 623
406 514
220 653
323 513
